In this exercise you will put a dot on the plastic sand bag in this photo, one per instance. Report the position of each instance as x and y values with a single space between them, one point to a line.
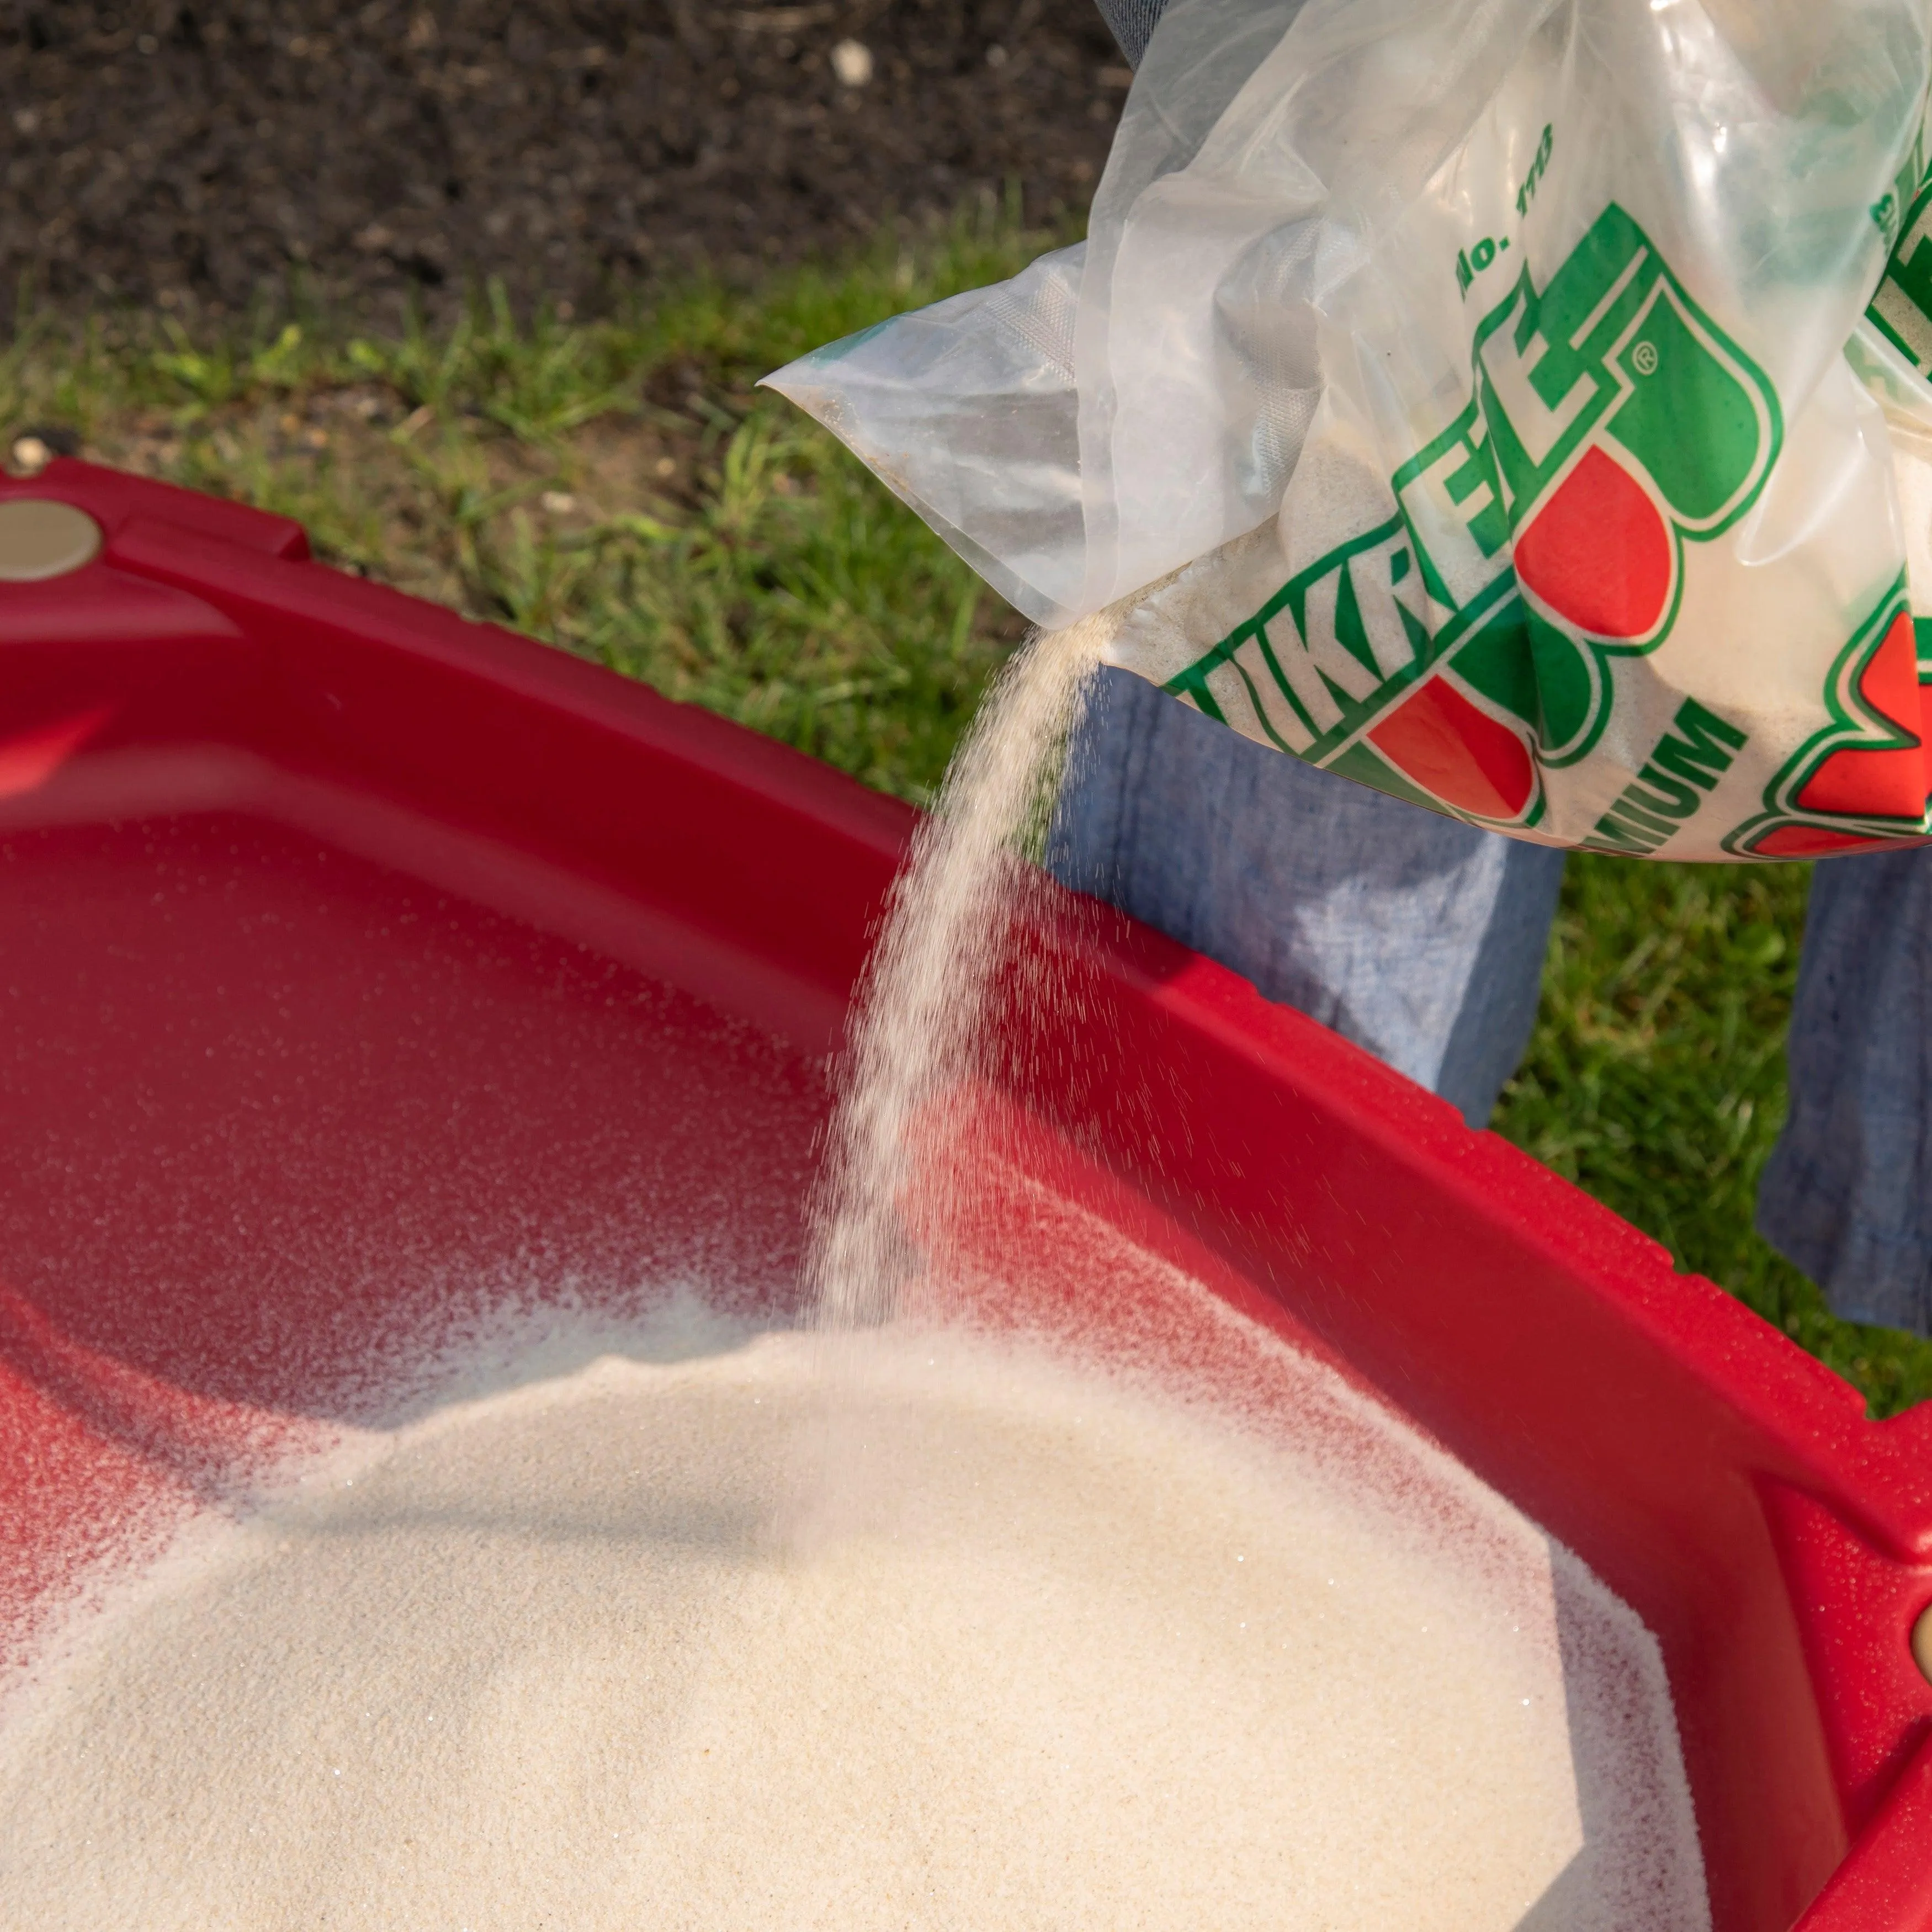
1519 406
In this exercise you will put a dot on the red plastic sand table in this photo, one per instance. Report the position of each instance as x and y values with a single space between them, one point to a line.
358 961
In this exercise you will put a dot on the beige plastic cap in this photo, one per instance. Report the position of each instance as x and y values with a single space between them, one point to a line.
40 537
1921 1642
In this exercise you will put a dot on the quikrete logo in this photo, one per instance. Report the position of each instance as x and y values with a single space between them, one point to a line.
1621 422
1448 653
1685 765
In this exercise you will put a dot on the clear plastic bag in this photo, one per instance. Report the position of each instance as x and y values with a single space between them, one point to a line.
1519 405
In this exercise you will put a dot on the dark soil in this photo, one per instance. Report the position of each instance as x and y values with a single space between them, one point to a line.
194 154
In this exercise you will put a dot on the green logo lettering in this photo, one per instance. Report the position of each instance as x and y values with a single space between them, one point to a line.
1448 652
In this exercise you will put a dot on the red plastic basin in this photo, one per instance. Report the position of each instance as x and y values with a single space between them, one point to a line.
358 961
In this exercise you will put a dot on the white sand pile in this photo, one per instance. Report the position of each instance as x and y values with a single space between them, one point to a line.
661 1642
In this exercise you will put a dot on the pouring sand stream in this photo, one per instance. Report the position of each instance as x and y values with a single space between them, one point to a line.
925 993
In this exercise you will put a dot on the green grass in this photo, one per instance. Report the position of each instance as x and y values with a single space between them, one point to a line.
619 489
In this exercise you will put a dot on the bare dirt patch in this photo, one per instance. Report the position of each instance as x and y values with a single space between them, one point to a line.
190 152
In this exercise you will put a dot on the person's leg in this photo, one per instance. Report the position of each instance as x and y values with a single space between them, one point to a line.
1847 1193
1418 937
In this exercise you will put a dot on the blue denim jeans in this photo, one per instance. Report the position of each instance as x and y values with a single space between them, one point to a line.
1132 24
1422 940
1416 937
1847 1193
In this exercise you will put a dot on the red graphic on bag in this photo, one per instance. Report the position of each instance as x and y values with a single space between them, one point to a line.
1875 694
1820 841
1599 554
1887 783
1457 752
